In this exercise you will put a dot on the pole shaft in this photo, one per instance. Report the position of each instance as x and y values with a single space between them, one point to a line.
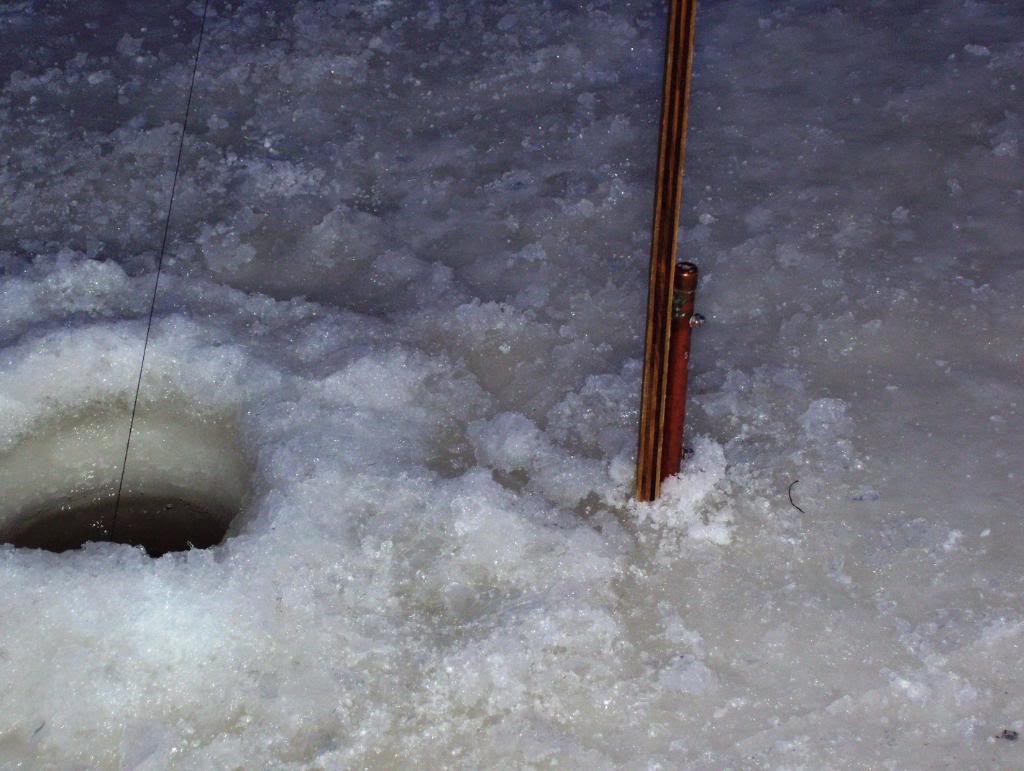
678 368
667 201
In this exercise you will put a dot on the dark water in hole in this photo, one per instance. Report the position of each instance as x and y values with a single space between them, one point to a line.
158 524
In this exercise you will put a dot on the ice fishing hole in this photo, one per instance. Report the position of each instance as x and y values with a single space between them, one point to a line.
185 482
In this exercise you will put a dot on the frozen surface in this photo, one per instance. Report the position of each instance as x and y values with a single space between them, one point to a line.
403 295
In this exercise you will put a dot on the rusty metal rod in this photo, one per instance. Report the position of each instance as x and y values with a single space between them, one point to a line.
667 200
683 322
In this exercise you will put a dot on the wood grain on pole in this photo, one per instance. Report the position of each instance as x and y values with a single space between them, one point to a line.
667 200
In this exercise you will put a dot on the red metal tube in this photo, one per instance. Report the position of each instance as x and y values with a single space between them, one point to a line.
683 321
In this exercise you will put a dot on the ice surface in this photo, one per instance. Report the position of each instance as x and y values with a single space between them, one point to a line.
399 327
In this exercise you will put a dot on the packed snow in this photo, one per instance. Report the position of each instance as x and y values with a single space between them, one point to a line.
398 331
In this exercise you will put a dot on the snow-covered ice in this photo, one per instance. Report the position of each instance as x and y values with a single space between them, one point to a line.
398 329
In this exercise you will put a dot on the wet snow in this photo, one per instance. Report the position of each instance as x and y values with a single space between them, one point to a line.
404 284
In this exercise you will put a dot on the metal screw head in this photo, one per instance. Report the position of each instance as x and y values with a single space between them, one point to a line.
696 321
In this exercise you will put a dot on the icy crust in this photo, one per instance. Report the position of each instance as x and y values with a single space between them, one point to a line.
404 552
686 501
435 564
90 106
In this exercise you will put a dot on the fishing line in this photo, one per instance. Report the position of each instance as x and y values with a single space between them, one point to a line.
159 268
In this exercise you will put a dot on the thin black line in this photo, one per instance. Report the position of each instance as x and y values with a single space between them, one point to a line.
790 493
159 268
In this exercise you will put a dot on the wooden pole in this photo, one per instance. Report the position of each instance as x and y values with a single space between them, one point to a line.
667 200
